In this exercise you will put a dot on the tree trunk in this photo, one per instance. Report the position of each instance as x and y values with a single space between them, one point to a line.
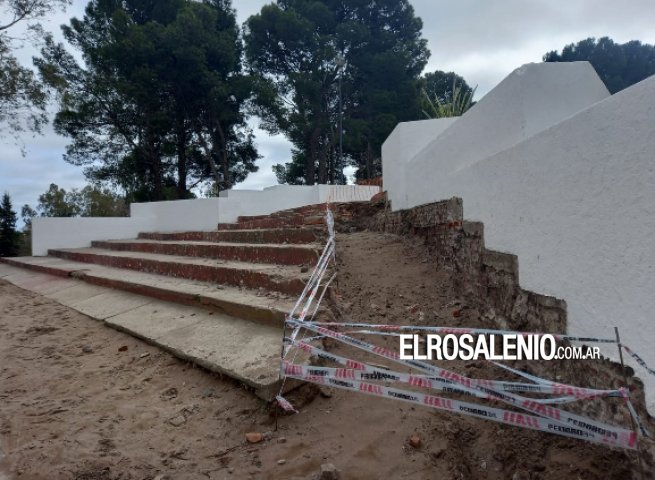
310 162
323 162
155 165
225 161
181 159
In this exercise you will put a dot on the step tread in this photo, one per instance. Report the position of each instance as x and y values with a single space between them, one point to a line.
300 246
270 300
280 271
246 351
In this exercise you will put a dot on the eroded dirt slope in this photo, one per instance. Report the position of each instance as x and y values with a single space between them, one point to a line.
72 406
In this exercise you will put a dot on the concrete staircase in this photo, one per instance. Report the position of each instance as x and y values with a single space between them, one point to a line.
244 277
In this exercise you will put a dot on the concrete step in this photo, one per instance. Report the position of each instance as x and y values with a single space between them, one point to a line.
263 307
274 222
277 278
268 236
245 351
308 216
240 252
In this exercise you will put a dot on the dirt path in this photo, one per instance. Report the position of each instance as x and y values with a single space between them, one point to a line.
74 406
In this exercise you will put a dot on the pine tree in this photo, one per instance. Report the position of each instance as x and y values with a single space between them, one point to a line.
8 235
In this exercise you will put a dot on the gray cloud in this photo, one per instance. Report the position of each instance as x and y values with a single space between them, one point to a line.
479 39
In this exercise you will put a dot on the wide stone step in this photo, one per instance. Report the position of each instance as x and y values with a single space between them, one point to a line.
258 253
287 219
268 236
263 307
243 350
269 223
284 279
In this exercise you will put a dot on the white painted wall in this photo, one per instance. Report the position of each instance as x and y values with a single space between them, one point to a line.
406 140
531 99
186 215
179 215
576 203
78 232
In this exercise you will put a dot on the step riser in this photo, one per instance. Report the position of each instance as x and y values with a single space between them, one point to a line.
295 236
261 315
204 273
275 255
36 268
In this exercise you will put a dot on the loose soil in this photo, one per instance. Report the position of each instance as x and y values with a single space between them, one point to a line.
75 404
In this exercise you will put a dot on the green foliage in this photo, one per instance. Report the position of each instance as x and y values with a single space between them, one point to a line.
22 97
618 65
453 102
157 107
87 202
9 237
303 49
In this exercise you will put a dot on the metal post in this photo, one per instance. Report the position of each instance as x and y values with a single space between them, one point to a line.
340 64
340 123
635 427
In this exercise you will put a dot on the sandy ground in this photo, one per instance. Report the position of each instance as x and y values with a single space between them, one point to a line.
75 404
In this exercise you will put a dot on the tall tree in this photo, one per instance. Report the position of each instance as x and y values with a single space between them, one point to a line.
88 202
22 97
158 106
305 50
618 65
9 237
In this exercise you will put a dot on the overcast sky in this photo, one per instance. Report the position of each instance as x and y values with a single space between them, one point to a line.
482 40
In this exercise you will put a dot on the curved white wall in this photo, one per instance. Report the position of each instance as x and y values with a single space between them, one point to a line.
576 203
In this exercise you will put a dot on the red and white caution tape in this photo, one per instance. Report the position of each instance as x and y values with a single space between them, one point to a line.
373 329
528 404
363 371
623 439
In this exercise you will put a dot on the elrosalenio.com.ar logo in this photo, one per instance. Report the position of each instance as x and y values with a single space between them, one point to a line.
490 347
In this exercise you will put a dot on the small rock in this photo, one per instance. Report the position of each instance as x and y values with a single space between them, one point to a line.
415 441
208 392
281 461
123 348
325 392
169 394
304 269
413 308
161 476
177 421
230 470
144 355
328 472
254 437
282 440
521 475
87 349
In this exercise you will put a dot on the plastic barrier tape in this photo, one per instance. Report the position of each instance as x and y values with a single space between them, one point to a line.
422 381
560 416
573 393
625 440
